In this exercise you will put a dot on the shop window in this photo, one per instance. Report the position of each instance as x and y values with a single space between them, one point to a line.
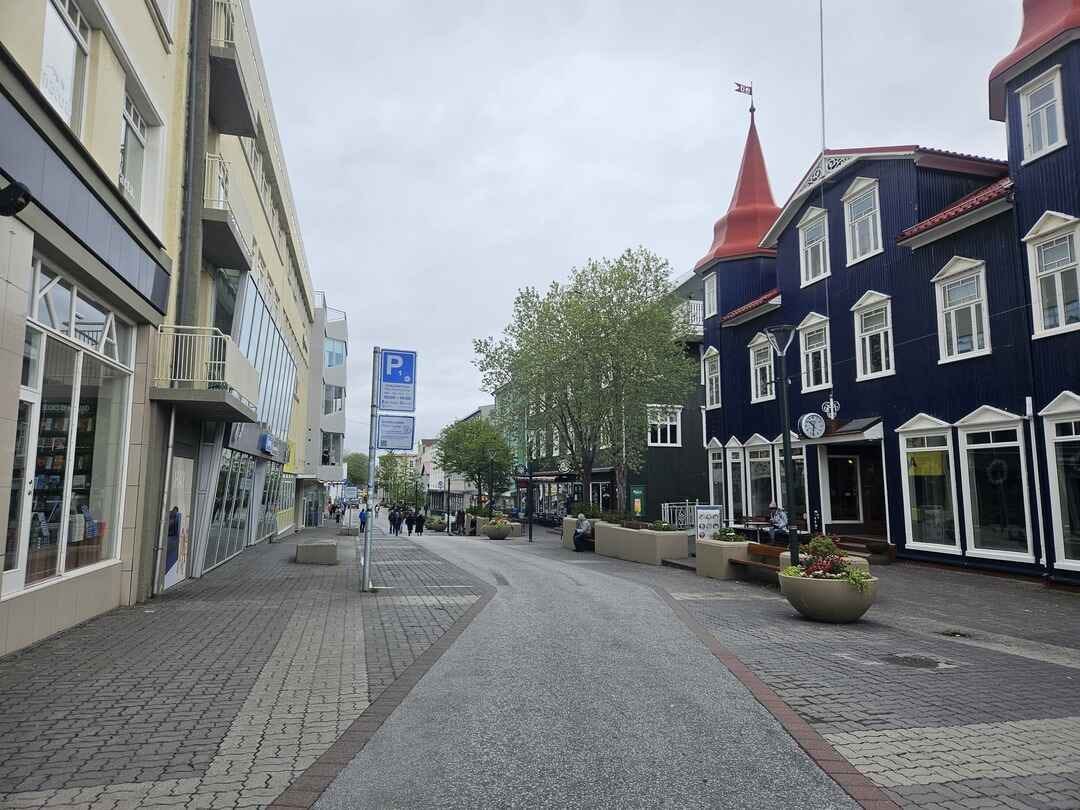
930 512
795 507
736 498
716 477
1061 423
762 489
994 478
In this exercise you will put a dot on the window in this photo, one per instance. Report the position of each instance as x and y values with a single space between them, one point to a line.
716 477
335 353
1041 112
331 448
737 512
710 295
664 421
796 508
760 463
712 378
814 242
873 337
132 152
995 492
761 370
814 343
861 214
963 326
930 511
63 59
1059 302
333 399
1061 423
845 489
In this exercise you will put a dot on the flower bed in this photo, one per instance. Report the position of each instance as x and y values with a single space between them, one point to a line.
827 586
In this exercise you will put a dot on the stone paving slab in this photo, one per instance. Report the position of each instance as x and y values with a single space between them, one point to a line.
958 690
223 691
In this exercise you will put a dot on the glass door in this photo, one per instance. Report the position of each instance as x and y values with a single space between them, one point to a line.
22 488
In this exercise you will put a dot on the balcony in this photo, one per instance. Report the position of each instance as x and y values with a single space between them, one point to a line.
225 230
692 314
230 56
200 369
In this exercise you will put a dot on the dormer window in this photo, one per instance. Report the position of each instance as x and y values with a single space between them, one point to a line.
863 220
814 242
1042 116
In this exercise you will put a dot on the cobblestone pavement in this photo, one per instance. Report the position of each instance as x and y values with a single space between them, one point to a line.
957 690
224 690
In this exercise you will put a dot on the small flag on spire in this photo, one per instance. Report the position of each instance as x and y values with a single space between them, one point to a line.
747 89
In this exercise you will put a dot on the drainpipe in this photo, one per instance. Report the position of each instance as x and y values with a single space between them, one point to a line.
164 505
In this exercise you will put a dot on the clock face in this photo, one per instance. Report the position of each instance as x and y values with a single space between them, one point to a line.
564 465
812 425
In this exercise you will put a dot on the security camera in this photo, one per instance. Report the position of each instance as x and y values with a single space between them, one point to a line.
14 199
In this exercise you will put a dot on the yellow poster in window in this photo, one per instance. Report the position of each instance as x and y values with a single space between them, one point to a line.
927 463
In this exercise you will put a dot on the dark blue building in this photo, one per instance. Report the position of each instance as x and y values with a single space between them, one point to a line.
936 301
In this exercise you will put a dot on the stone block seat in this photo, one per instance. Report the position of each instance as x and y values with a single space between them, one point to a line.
317 552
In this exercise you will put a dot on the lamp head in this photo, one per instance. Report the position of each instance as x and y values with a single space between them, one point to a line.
780 337
14 199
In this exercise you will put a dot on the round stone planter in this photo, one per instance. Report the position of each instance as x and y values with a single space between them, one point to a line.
828 600
497 531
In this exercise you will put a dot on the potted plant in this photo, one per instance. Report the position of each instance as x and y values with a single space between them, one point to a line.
498 528
826 586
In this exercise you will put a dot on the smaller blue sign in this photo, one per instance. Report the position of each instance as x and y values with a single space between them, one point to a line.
397 380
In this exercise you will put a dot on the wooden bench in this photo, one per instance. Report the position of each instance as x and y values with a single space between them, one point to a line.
764 560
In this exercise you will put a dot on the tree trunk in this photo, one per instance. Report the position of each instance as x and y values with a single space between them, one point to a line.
586 480
620 484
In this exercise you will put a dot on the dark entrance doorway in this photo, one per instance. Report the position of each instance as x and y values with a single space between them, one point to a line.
854 486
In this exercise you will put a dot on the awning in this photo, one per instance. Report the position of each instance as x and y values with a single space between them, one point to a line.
863 429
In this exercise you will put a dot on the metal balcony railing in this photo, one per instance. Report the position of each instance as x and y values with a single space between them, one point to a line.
223 24
203 358
217 183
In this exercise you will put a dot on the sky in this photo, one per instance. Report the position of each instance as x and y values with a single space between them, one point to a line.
444 155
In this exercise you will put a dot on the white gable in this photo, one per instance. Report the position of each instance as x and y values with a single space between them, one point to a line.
812 212
869 299
859 184
757 438
1050 222
714 444
811 319
733 442
957 265
710 352
760 339
988 415
795 438
922 421
1064 403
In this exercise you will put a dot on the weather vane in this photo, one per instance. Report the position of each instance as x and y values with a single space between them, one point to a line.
748 90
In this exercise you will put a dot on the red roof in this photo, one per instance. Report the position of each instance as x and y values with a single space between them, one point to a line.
976 199
1044 22
751 212
749 306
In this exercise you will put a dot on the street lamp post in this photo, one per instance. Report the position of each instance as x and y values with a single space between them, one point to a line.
780 338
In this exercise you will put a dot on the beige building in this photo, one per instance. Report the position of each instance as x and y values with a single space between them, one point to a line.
154 320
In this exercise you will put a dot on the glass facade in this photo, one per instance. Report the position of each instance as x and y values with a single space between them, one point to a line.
231 514
264 344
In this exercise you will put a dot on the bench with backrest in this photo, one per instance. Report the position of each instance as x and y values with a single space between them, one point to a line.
764 561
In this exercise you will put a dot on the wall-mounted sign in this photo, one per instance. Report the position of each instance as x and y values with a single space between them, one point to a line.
812 425
637 500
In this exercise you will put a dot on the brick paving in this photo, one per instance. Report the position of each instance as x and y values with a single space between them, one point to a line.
223 691
957 690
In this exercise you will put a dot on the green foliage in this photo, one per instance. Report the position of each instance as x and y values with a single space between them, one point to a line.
792 571
859 577
400 482
436 524
356 469
727 535
821 546
583 359
661 526
477 450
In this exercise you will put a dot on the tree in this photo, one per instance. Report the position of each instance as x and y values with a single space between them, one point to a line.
399 480
356 469
586 359
476 450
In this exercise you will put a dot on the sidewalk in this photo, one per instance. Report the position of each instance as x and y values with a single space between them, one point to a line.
223 691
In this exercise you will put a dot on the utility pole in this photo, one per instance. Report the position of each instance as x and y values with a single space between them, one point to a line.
365 563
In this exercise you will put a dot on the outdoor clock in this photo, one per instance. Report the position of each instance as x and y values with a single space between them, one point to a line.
812 425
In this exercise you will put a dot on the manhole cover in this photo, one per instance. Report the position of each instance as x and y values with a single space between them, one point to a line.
918 662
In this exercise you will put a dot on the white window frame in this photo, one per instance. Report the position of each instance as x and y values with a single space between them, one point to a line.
798 450
959 269
133 119
761 341
711 303
76 26
924 426
713 387
812 323
1065 407
714 454
987 419
869 302
1053 77
759 444
859 188
674 418
1052 225
733 453
812 216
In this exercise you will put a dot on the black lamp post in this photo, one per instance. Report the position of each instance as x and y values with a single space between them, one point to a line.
780 338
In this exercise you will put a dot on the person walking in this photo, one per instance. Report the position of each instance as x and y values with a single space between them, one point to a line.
363 518
418 522
410 521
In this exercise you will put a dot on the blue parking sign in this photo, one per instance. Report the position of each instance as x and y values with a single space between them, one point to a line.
397 381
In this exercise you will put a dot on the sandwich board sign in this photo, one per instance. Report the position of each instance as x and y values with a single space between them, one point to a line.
397 381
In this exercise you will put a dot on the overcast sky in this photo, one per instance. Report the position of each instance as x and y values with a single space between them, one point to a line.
442 155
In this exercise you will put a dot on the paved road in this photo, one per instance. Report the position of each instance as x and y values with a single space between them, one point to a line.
575 688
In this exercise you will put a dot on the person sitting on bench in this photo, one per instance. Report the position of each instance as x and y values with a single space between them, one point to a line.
582 531
778 524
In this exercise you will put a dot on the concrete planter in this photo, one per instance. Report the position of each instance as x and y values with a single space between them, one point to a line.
828 600
497 531
568 525
638 545
714 557
858 562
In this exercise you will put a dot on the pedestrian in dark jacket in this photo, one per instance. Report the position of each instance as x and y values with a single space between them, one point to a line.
410 521
418 522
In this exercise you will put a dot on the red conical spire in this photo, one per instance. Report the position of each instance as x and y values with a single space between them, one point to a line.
752 211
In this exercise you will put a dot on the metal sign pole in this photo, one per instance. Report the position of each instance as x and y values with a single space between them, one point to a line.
365 568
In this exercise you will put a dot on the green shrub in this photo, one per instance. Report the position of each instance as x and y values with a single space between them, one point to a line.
821 546
728 535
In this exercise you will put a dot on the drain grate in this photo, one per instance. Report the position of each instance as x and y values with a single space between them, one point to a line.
918 662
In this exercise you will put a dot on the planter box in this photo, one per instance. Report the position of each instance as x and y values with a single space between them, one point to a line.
714 557
638 545
828 600
317 552
568 525
858 562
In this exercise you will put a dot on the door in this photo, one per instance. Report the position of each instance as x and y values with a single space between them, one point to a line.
178 521
22 488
